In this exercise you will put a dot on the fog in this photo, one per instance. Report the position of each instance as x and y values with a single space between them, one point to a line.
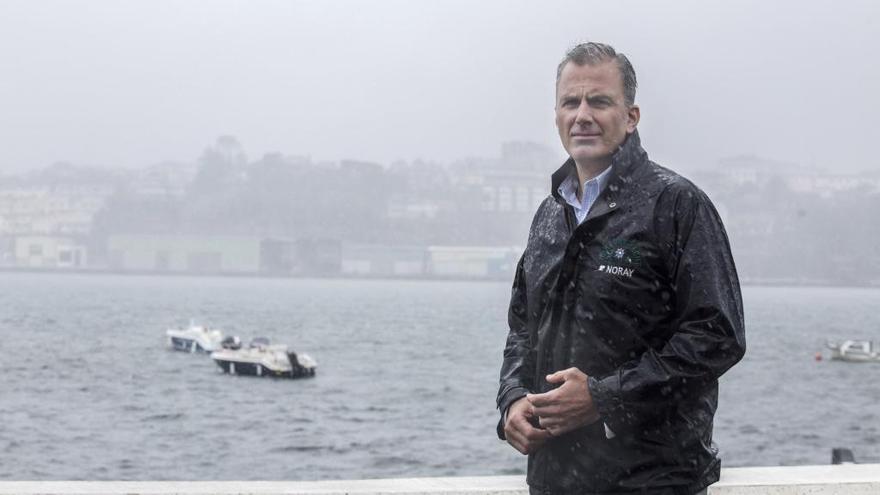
336 174
433 121
133 83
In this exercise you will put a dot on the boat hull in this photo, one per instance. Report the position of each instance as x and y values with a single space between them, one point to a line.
855 351
257 369
855 358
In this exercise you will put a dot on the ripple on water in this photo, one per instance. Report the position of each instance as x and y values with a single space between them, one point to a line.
407 381
165 417
298 448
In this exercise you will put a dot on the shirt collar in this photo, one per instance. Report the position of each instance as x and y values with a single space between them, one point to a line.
569 187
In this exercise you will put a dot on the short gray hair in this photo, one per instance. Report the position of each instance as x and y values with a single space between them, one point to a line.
593 53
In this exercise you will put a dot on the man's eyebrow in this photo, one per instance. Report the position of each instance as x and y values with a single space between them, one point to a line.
590 97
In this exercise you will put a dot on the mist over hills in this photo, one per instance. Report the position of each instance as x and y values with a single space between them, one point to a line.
787 224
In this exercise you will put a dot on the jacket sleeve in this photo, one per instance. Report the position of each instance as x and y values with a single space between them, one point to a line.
517 369
708 335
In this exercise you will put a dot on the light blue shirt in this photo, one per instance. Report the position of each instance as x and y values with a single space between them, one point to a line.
568 190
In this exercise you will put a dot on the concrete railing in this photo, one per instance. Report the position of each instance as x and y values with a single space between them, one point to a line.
845 479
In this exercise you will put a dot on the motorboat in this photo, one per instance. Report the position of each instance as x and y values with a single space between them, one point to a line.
262 358
857 351
194 339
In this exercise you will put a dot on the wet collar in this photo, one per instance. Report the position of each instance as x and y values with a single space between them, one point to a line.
627 156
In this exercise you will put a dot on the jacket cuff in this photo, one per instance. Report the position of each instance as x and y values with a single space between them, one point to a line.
607 398
504 403
511 396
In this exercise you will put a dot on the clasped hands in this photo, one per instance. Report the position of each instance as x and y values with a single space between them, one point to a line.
534 419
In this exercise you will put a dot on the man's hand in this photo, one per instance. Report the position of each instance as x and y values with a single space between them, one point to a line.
568 407
520 433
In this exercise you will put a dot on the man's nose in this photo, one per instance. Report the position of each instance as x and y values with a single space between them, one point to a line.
584 116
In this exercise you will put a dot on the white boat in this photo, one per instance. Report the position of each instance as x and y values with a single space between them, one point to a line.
857 351
194 339
262 358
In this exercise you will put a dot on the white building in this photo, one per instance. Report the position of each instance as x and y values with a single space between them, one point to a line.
383 260
50 210
184 254
472 262
49 252
828 184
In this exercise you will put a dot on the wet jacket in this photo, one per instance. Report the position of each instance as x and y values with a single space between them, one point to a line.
643 297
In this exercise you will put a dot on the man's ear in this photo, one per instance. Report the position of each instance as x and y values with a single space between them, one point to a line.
633 114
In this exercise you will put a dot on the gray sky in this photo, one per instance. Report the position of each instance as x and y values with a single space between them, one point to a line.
130 83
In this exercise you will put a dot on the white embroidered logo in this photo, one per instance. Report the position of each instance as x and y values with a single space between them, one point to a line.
617 270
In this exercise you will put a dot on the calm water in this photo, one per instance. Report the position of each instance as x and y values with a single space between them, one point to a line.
406 380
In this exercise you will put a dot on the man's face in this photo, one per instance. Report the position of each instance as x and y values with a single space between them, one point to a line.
591 113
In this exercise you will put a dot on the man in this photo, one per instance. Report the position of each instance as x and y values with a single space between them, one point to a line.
625 308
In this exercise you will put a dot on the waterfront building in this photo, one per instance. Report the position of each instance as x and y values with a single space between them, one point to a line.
473 262
384 261
45 251
184 254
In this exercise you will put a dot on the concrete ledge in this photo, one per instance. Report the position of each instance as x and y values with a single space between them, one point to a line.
488 485
847 479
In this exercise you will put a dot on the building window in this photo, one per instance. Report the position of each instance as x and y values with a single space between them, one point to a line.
505 199
35 250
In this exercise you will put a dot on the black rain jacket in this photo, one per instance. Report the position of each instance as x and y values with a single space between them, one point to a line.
643 297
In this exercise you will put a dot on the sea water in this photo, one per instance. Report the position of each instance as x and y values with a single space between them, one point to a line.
406 381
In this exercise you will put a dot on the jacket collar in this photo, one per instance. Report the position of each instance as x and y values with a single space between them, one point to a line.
624 163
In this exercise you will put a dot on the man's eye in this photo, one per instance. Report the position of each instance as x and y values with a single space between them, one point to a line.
570 103
600 103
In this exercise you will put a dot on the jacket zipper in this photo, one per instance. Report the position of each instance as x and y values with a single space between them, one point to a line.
570 222
570 219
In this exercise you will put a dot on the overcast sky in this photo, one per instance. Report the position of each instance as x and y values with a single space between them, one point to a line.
131 83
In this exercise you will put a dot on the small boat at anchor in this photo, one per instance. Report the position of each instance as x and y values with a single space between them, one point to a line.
855 351
194 339
262 358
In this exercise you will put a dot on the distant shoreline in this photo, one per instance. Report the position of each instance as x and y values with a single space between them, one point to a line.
257 275
745 281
